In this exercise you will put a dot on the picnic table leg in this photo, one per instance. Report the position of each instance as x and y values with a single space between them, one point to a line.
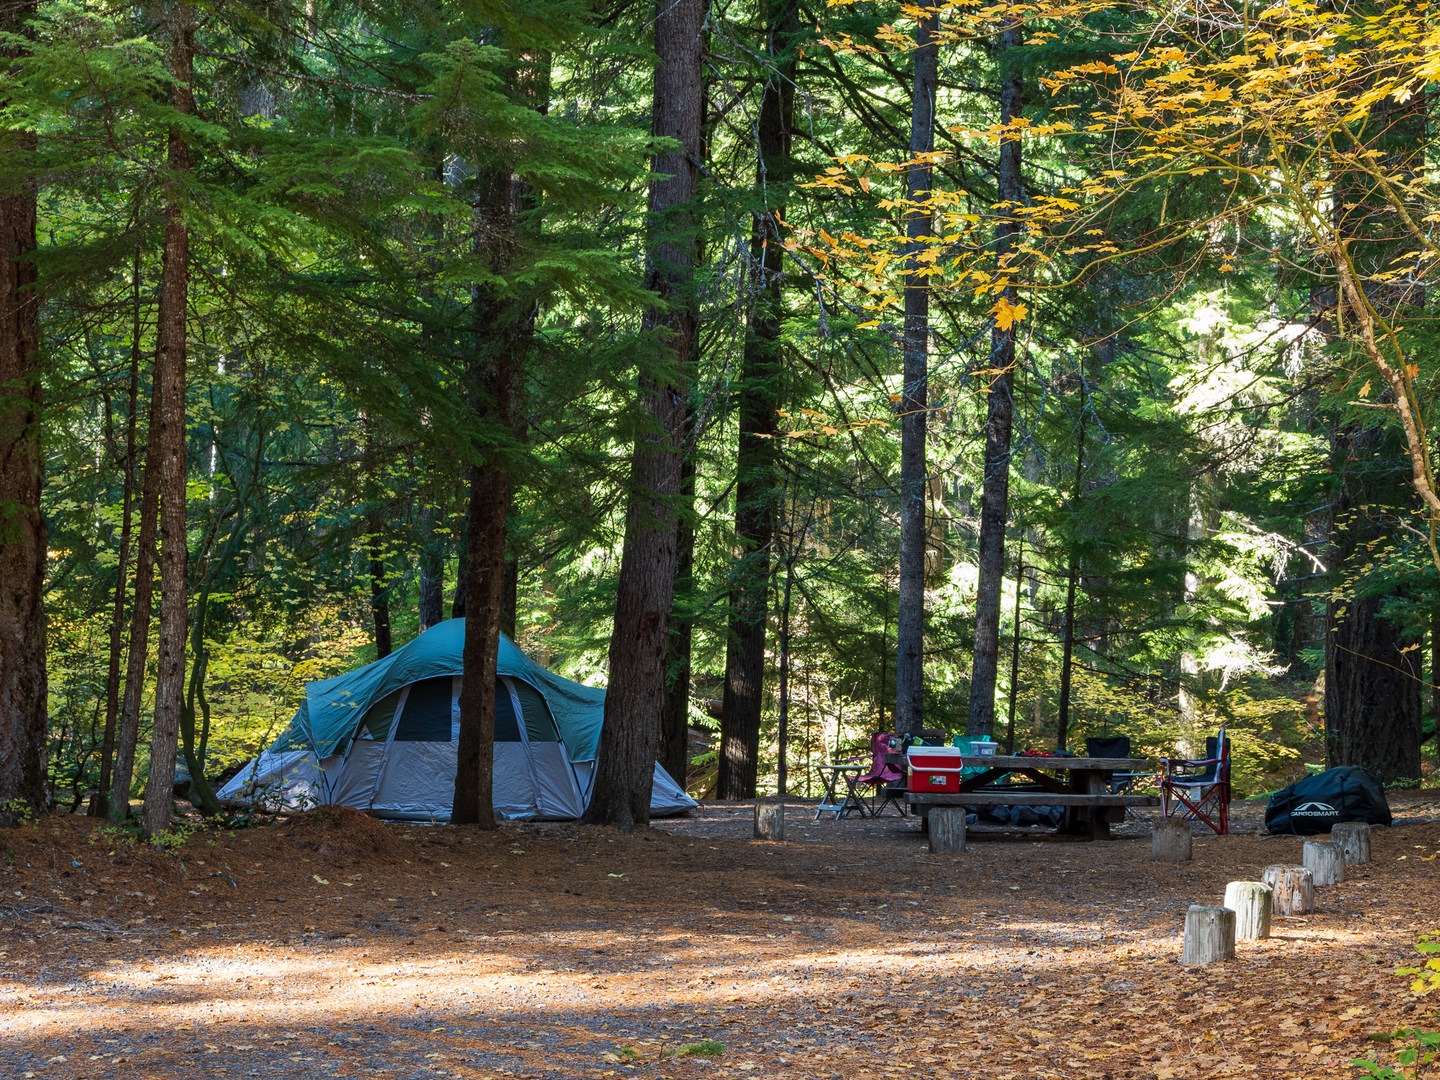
1091 821
1099 823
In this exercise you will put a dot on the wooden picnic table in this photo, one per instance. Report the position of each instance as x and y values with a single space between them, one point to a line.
1082 786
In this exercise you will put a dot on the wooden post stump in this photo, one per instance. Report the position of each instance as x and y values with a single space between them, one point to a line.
1250 900
1170 841
947 829
1354 840
770 819
1209 935
1293 889
1324 861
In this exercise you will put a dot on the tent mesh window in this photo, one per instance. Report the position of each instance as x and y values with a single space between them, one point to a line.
426 716
539 724
375 724
506 729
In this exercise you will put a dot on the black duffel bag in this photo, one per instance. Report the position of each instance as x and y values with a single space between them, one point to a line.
1312 805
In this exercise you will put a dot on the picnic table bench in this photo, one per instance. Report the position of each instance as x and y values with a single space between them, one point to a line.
1084 787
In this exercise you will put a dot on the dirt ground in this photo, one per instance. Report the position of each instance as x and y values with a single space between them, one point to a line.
330 945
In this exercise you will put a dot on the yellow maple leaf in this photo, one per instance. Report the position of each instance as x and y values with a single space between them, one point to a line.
1007 314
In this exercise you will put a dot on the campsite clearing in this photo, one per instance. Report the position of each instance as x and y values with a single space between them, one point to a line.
332 945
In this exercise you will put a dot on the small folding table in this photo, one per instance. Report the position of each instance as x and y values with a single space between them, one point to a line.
839 797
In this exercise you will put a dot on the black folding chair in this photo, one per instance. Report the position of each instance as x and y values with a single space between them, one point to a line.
1198 789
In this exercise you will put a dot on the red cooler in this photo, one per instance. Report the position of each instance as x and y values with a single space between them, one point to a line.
934 768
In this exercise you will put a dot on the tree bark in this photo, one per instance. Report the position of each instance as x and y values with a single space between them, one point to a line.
1292 889
1354 840
1372 692
1072 581
674 747
379 589
914 393
475 750
502 330
636 695
432 572
127 733
995 500
1252 902
1324 860
1435 671
100 802
510 590
23 689
1372 675
1209 935
168 440
756 480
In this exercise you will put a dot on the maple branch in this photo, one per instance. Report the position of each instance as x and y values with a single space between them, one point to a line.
1401 384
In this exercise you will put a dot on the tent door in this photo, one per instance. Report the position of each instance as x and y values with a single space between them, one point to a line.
510 798
388 750
556 791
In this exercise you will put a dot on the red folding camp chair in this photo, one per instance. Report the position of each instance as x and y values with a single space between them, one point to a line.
1198 789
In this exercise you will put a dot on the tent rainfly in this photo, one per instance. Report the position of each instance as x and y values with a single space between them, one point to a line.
382 739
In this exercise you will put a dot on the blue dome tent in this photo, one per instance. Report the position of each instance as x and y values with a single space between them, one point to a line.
382 739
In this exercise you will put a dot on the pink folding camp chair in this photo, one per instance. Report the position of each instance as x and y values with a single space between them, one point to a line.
884 783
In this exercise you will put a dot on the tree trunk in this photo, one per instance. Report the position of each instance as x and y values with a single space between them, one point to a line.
462 571
674 746
23 692
432 572
1435 672
782 661
502 329
756 479
1072 581
510 590
475 750
1372 692
127 733
1015 642
167 424
212 567
995 500
379 589
1372 674
636 695
100 803
914 394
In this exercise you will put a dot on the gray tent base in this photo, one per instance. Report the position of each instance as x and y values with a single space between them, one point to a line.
288 781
